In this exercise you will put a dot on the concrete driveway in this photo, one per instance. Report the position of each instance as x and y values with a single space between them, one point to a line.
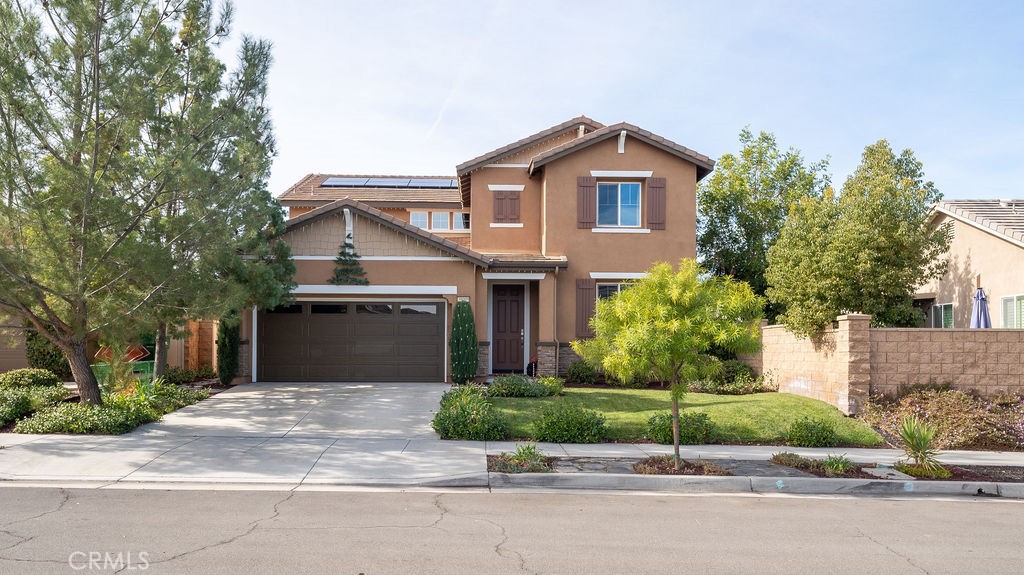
310 410
281 433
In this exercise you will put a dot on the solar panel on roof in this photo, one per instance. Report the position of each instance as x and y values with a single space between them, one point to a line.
387 183
344 183
434 183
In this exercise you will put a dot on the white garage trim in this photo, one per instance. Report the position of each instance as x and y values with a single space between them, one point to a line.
512 276
310 289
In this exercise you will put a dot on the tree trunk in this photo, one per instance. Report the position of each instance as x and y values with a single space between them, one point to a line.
85 379
675 430
160 355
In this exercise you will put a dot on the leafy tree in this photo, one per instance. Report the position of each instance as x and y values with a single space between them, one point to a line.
743 205
663 327
133 171
463 344
864 251
347 270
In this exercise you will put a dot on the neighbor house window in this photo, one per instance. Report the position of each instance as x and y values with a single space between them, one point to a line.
419 219
439 220
618 204
460 221
1013 311
942 315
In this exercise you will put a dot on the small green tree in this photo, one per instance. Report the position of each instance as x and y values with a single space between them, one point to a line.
347 270
42 354
463 344
866 250
227 348
663 327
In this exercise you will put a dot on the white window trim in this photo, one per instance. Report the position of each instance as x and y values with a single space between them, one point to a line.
1013 298
621 173
618 205
505 187
620 230
519 225
617 275
451 229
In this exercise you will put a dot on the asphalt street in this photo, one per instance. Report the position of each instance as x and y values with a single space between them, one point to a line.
52 530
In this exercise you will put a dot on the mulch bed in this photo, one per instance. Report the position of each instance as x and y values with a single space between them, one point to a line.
663 465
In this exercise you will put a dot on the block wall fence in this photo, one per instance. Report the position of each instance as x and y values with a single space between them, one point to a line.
845 365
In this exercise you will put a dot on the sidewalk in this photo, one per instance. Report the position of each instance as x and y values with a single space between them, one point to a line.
146 458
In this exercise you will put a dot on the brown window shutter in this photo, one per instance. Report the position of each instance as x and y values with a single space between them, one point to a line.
586 298
656 203
586 202
512 207
500 208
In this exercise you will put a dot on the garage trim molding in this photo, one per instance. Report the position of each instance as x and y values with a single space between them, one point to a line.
309 289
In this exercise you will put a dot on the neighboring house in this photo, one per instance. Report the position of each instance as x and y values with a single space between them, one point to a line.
986 249
530 234
12 346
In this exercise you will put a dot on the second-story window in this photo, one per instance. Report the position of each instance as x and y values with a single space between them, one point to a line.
460 221
419 219
440 221
618 204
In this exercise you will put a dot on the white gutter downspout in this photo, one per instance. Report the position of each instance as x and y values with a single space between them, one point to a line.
554 321
622 142
348 226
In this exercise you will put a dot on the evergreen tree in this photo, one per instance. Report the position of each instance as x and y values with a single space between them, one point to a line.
347 271
463 344
227 348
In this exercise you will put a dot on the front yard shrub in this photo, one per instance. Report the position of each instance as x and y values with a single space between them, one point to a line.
465 349
919 443
465 413
526 459
516 386
582 373
569 423
43 395
165 398
743 384
13 404
808 432
733 369
694 428
227 348
28 377
554 385
42 354
120 414
832 466
179 375
837 464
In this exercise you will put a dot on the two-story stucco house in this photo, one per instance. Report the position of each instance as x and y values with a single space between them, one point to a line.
986 248
529 234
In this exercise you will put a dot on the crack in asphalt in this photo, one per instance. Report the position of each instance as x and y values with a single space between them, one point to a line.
253 525
505 553
65 497
22 539
893 551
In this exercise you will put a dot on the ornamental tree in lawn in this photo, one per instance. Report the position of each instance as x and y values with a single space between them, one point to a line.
463 344
663 326
133 171
347 270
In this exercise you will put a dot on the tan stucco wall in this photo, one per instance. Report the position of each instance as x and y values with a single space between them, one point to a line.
588 251
12 350
973 252
505 240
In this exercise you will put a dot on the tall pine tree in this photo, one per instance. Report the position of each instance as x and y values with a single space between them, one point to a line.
347 271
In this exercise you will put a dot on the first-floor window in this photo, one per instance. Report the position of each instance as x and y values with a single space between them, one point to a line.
608 290
1013 311
942 315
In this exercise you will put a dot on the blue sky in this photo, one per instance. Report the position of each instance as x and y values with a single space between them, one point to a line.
406 87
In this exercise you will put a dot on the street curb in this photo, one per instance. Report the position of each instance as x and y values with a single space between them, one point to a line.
755 485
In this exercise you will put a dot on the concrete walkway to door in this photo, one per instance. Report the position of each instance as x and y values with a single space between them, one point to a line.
281 433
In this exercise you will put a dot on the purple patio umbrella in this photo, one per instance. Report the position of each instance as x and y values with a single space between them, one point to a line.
979 315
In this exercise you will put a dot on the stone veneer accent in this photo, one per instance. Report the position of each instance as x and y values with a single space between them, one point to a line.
546 358
483 357
847 364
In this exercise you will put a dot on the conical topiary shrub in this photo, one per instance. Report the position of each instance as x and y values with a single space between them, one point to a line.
463 344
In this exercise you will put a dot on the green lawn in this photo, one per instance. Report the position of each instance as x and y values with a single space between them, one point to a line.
758 418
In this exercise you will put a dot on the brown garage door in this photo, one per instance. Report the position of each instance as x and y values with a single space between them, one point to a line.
348 341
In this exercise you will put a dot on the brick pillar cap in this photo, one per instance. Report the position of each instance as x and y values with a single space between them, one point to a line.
854 316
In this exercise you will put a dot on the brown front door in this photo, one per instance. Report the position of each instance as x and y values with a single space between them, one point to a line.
508 317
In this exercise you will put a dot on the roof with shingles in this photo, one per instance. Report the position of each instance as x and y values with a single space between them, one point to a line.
310 191
393 223
999 217
704 164
489 157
